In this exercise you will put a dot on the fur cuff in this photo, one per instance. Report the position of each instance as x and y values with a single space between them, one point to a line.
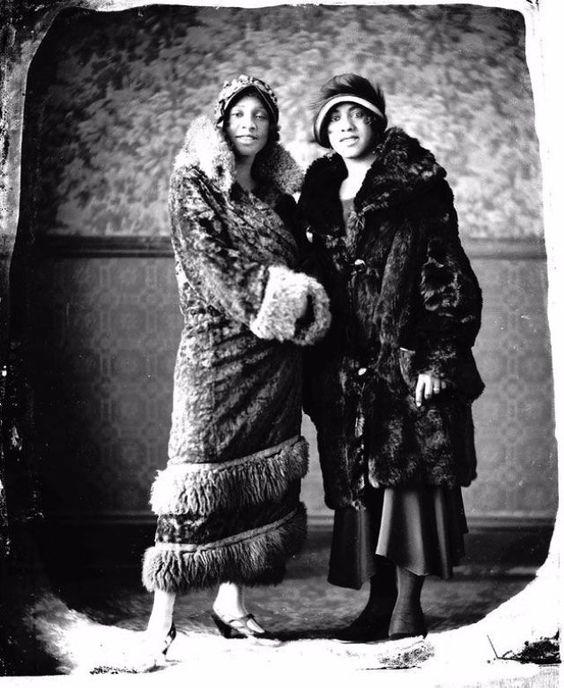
253 558
204 488
284 303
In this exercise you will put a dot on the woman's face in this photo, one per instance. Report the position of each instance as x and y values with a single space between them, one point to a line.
349 130
247 126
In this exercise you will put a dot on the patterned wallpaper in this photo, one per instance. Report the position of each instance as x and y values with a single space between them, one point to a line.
105 332
111 95
514 417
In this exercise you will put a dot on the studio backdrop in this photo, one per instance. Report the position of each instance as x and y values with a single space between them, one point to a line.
110 96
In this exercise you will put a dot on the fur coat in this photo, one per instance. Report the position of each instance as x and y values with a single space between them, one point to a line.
404 300
228 500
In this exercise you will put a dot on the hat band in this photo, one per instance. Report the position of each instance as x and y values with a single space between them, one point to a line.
341 99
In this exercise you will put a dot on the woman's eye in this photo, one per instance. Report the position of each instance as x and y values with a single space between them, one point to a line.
334 118
260 115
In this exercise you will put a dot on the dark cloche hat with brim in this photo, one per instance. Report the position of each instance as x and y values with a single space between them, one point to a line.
241 85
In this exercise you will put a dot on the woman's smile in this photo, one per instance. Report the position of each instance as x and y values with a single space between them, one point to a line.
351 139
350 131
248 125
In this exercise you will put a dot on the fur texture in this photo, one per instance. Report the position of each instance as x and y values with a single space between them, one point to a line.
202 489
285 300
234 463
404 300
253 558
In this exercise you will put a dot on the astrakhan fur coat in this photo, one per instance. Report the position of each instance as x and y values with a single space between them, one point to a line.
404 300
228 501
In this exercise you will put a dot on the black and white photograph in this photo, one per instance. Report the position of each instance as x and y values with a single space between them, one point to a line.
281 312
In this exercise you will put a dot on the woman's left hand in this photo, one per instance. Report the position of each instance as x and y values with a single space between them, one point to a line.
428 386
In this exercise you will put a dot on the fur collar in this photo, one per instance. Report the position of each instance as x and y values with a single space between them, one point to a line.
206 147
403 169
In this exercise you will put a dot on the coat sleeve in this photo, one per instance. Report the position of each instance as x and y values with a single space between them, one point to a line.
269 299
449 304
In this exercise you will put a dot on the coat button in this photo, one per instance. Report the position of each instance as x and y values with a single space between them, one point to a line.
359 266
361 371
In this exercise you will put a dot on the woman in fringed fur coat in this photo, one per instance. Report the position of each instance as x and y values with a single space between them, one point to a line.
228 501
390 388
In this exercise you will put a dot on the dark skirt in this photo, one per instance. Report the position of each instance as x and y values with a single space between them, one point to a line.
420 529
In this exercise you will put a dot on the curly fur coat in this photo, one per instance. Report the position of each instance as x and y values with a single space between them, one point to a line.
404 300
228 501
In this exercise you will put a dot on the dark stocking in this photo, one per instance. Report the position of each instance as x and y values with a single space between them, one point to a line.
407 617
383 592
373 621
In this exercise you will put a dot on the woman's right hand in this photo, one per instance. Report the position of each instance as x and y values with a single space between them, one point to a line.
428 385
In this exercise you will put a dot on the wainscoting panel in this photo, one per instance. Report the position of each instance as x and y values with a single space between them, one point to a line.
105 326
106 330
517 482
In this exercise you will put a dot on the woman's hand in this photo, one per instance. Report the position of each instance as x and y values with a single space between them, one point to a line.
306 315
428 386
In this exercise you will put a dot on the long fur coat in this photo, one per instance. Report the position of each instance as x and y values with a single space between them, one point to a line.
228 501
404 300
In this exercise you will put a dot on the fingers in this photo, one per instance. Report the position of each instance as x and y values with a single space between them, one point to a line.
421 389
428 386
301 305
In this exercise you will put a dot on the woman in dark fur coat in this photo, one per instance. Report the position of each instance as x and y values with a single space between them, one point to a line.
390 388
228 501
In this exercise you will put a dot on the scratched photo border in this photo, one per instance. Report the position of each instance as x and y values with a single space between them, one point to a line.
542 69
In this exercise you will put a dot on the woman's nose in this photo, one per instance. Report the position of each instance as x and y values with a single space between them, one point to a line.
249 123
346 123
